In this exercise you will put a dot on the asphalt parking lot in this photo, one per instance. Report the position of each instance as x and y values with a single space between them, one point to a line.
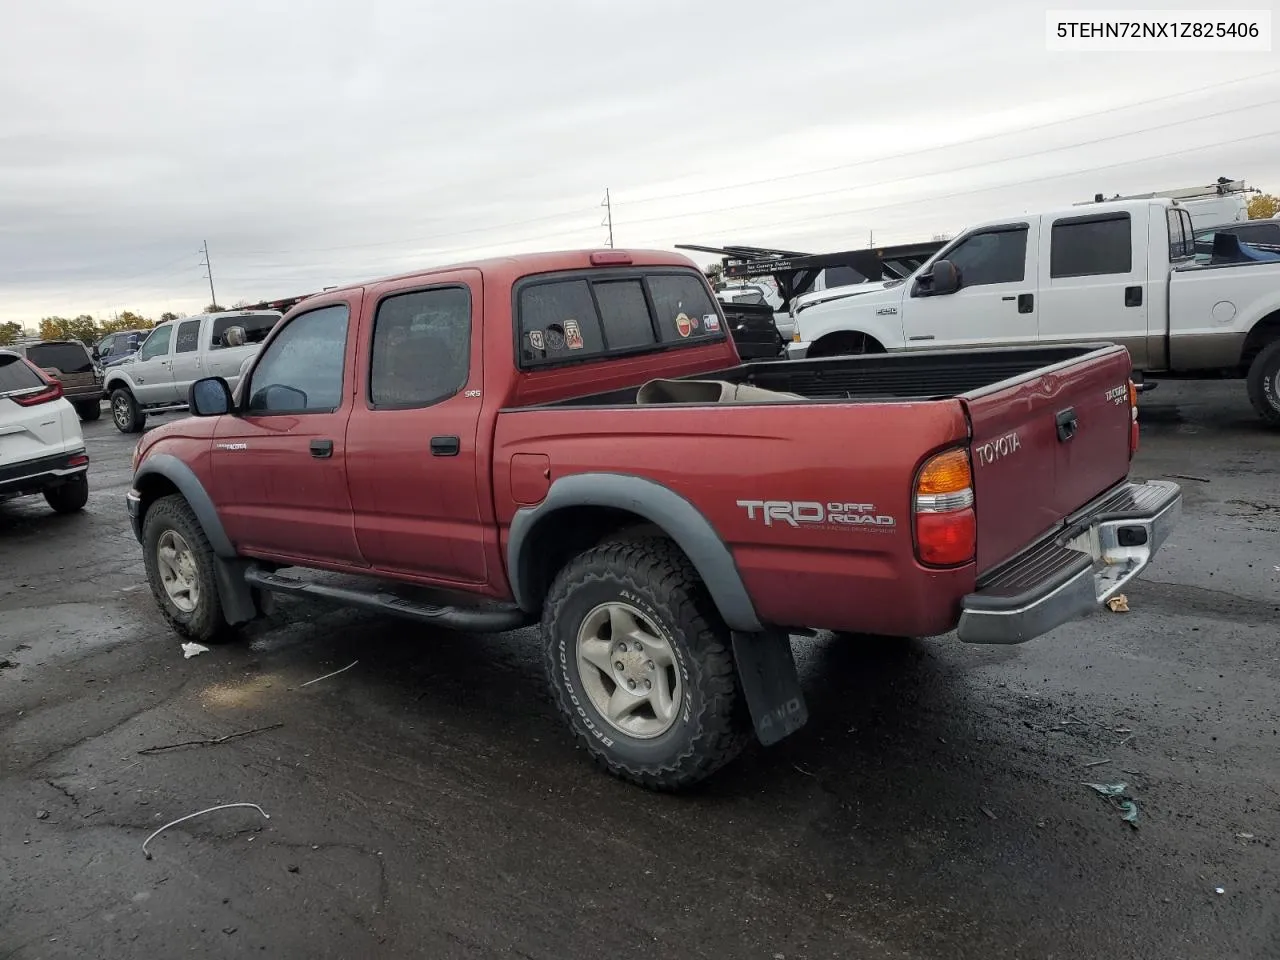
427 802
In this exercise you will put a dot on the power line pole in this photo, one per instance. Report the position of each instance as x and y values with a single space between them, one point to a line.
608 217
213 296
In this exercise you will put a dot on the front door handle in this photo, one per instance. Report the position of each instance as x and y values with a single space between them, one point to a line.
445 446
1068 424
322 449
1026 302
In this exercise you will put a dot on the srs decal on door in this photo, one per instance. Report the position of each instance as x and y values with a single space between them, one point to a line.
811 513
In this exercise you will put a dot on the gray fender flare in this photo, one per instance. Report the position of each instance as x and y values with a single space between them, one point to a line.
675 515
238 604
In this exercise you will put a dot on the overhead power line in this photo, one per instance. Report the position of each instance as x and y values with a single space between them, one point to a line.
807 173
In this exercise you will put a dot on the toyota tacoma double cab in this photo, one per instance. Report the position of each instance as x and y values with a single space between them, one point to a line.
571 440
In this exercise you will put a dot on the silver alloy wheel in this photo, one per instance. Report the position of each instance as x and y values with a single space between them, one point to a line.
177 568
120 410
629 671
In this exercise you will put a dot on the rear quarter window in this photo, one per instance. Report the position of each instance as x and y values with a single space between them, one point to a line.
16 375
607 313
67 357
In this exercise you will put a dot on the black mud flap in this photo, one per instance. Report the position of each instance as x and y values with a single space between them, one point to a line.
770 683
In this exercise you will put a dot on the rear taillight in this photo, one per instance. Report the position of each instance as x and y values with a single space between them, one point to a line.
1133 419
946 527
52 390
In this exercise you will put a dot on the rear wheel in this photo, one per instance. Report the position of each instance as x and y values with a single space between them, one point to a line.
127 415
642 666
844 345
180 571
1264 383
69 496
89 409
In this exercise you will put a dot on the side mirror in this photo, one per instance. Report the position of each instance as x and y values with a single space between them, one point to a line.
210 397
945 278
95 353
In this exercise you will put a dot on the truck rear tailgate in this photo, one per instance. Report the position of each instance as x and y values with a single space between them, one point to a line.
1044 445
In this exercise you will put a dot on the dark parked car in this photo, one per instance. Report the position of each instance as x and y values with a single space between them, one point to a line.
72 365
119 346
1253 232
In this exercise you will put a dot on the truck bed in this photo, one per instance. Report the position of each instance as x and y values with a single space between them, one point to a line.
913 376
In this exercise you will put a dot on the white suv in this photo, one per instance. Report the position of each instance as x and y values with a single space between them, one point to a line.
41 446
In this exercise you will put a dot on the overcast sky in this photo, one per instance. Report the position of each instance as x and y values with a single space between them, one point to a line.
325 141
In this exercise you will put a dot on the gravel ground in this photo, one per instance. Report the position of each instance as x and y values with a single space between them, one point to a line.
427 802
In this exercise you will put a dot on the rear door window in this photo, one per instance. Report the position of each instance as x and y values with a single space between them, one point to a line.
67 357
616 312
1091 247
188 337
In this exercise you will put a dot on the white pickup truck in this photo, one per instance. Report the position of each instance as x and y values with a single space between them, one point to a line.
1121 272
177 353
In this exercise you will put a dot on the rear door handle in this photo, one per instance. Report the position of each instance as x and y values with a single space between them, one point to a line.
322 449
445 446
1133 296
1068 424
1026 302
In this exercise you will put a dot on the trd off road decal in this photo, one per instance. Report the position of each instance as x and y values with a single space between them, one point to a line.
811 514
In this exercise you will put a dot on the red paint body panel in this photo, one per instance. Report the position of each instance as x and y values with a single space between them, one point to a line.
384 504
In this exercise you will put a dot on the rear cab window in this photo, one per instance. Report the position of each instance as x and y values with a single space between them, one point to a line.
67 357
256 327
587 315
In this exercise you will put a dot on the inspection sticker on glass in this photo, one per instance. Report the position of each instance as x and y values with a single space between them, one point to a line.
572 335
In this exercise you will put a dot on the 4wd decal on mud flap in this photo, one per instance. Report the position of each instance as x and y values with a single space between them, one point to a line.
829 516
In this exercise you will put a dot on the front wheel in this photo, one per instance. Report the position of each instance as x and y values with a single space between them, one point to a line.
1264 384
180 571
641 665
127 415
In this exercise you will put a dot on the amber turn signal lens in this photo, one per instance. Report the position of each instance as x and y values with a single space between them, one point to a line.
948 472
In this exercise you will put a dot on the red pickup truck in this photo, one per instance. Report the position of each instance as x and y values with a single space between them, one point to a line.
570 439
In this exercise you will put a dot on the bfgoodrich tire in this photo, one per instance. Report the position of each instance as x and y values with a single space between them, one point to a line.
642 666
180 571
1264 383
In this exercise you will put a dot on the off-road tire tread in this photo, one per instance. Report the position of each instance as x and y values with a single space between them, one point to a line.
1269 355
210 626
657 569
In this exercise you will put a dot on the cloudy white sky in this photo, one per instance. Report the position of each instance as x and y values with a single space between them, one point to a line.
324 141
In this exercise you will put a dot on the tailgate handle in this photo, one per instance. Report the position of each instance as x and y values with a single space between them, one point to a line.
1068 424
